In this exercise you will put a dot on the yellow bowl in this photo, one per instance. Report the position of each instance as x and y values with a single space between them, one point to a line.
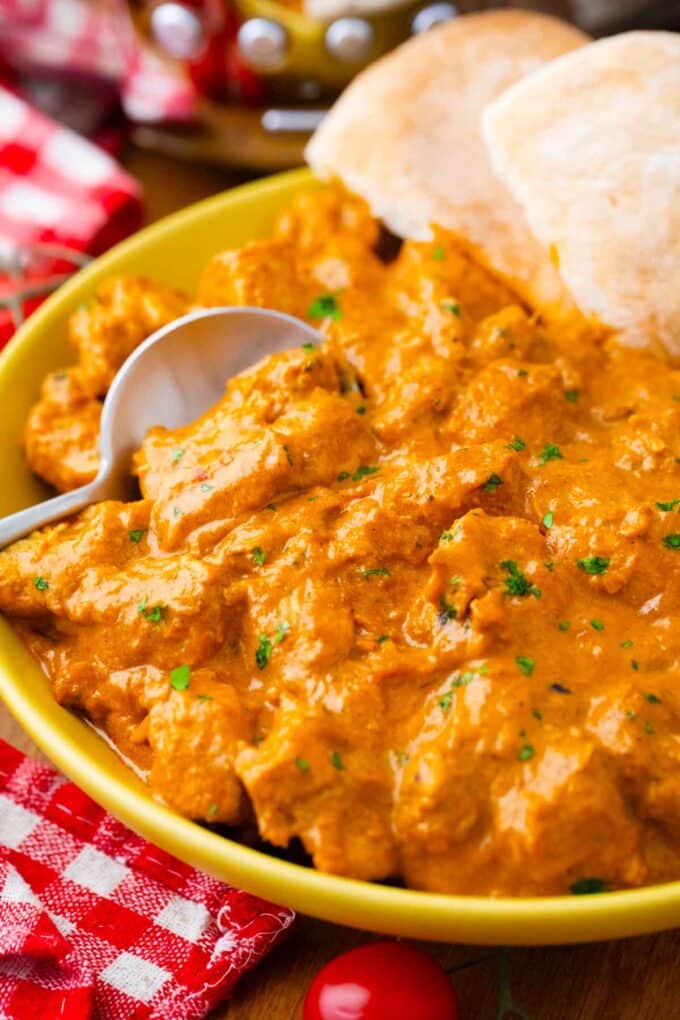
174 251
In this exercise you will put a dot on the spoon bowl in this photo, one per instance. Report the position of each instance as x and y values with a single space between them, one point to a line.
177 374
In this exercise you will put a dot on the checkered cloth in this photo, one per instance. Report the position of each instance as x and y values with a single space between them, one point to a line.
55 188
97 923
96 38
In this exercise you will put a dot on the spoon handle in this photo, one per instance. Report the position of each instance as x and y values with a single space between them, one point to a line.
23 522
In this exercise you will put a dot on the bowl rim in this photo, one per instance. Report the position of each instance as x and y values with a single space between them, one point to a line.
370 905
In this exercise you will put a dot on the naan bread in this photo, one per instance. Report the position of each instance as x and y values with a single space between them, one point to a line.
406 136
590 147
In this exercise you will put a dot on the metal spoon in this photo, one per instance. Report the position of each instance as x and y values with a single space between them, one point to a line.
173 377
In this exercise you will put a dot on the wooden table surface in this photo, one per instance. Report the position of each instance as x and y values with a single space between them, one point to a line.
636 979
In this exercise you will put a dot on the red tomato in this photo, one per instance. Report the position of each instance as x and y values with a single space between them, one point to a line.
381 981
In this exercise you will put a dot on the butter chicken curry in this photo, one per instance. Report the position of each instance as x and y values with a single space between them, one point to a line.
410 596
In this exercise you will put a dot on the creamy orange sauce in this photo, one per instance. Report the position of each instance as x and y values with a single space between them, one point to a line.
411 596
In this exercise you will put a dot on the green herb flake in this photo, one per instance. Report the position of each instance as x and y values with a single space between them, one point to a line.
537 714
336 761
452 307
526 753
626 644
446 536
597 624
281 632
634 664
177 455
309 347
526 664
136 535
263 652
302 764
630 714
375 572
40 583
564 625
445 701
259 556
212 811
176 511
438 253
492 483
205 487
325 307
203 697
672 541
180 677
401 757
360 409
446 610
289 456
517 444
588 886
153 614
363 471
522 373
343 476
593 564
271 506
670 505
517 583
572 395
648 728
550 452
548 519
381 638
653 699
549 565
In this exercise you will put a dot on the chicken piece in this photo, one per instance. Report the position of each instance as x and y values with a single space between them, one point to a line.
62 432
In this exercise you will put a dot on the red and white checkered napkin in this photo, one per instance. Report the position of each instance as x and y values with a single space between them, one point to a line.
58 188
97 923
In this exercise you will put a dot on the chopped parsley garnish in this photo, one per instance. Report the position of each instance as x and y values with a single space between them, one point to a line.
549 565
525 753
572 395
324 307
626 644
461 680
672 541
525 664
548 519
438 253
564 625
445 701
363 471
205 487
517 583
153 614
517 444
259 556
40 583
446 536
597 624
336 761
634 664
401 757
522 373
630 714
271 506
289 456
361 409
309 347
455 581
176 511
375 572
588 886
281 632
446 610
381 638
302 764
203 697
451 306
263 652
537 714
550 452
667 507
560 689
343 476
136 535
212 810
177 455
492 483
180 677
593 564
653 699
648 728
